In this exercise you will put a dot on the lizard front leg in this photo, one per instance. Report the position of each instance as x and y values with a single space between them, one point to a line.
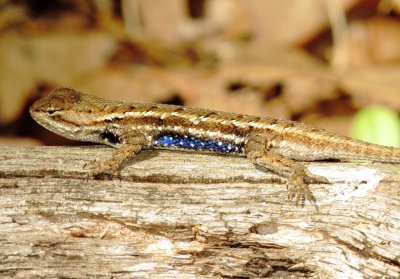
132 144
257 150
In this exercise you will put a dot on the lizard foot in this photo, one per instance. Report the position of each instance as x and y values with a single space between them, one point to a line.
298 186
101 169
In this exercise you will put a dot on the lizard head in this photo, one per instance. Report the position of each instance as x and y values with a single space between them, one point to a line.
74 115
49 111
59 113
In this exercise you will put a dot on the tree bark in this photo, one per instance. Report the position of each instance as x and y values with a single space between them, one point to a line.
171 214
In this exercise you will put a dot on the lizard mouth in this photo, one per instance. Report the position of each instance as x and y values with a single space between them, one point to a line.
51 121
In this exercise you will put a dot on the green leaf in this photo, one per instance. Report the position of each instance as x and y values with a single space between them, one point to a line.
378 125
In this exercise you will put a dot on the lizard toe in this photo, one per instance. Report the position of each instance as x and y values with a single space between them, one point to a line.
299 190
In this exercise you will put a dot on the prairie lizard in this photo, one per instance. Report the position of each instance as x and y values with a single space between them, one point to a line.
277 145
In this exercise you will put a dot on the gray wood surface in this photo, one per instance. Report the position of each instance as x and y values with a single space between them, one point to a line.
185 215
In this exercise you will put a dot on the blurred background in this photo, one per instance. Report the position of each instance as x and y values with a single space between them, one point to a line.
331 64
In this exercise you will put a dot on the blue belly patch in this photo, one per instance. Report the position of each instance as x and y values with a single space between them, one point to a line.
188 142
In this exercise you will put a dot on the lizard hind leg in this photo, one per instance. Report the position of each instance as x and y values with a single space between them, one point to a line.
297 174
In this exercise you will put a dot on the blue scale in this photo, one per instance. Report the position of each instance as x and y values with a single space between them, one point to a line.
184 141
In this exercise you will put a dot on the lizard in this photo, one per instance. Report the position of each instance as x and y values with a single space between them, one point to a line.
280 146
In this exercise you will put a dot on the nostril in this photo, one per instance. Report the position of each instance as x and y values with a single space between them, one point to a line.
51 111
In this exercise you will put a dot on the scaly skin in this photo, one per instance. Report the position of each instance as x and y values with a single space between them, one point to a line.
277 145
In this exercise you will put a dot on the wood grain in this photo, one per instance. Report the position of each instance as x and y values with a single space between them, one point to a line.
184 215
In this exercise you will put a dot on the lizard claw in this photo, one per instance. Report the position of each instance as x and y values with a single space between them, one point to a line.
298 187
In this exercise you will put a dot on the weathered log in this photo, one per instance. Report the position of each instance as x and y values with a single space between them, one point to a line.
185 215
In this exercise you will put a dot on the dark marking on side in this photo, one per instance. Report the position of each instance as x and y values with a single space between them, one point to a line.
110 137
113 109
179 109
273 121
210 114
154 107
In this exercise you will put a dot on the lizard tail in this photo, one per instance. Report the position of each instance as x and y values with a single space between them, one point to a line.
351 149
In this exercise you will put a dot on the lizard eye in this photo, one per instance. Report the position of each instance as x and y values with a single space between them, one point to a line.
52 110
